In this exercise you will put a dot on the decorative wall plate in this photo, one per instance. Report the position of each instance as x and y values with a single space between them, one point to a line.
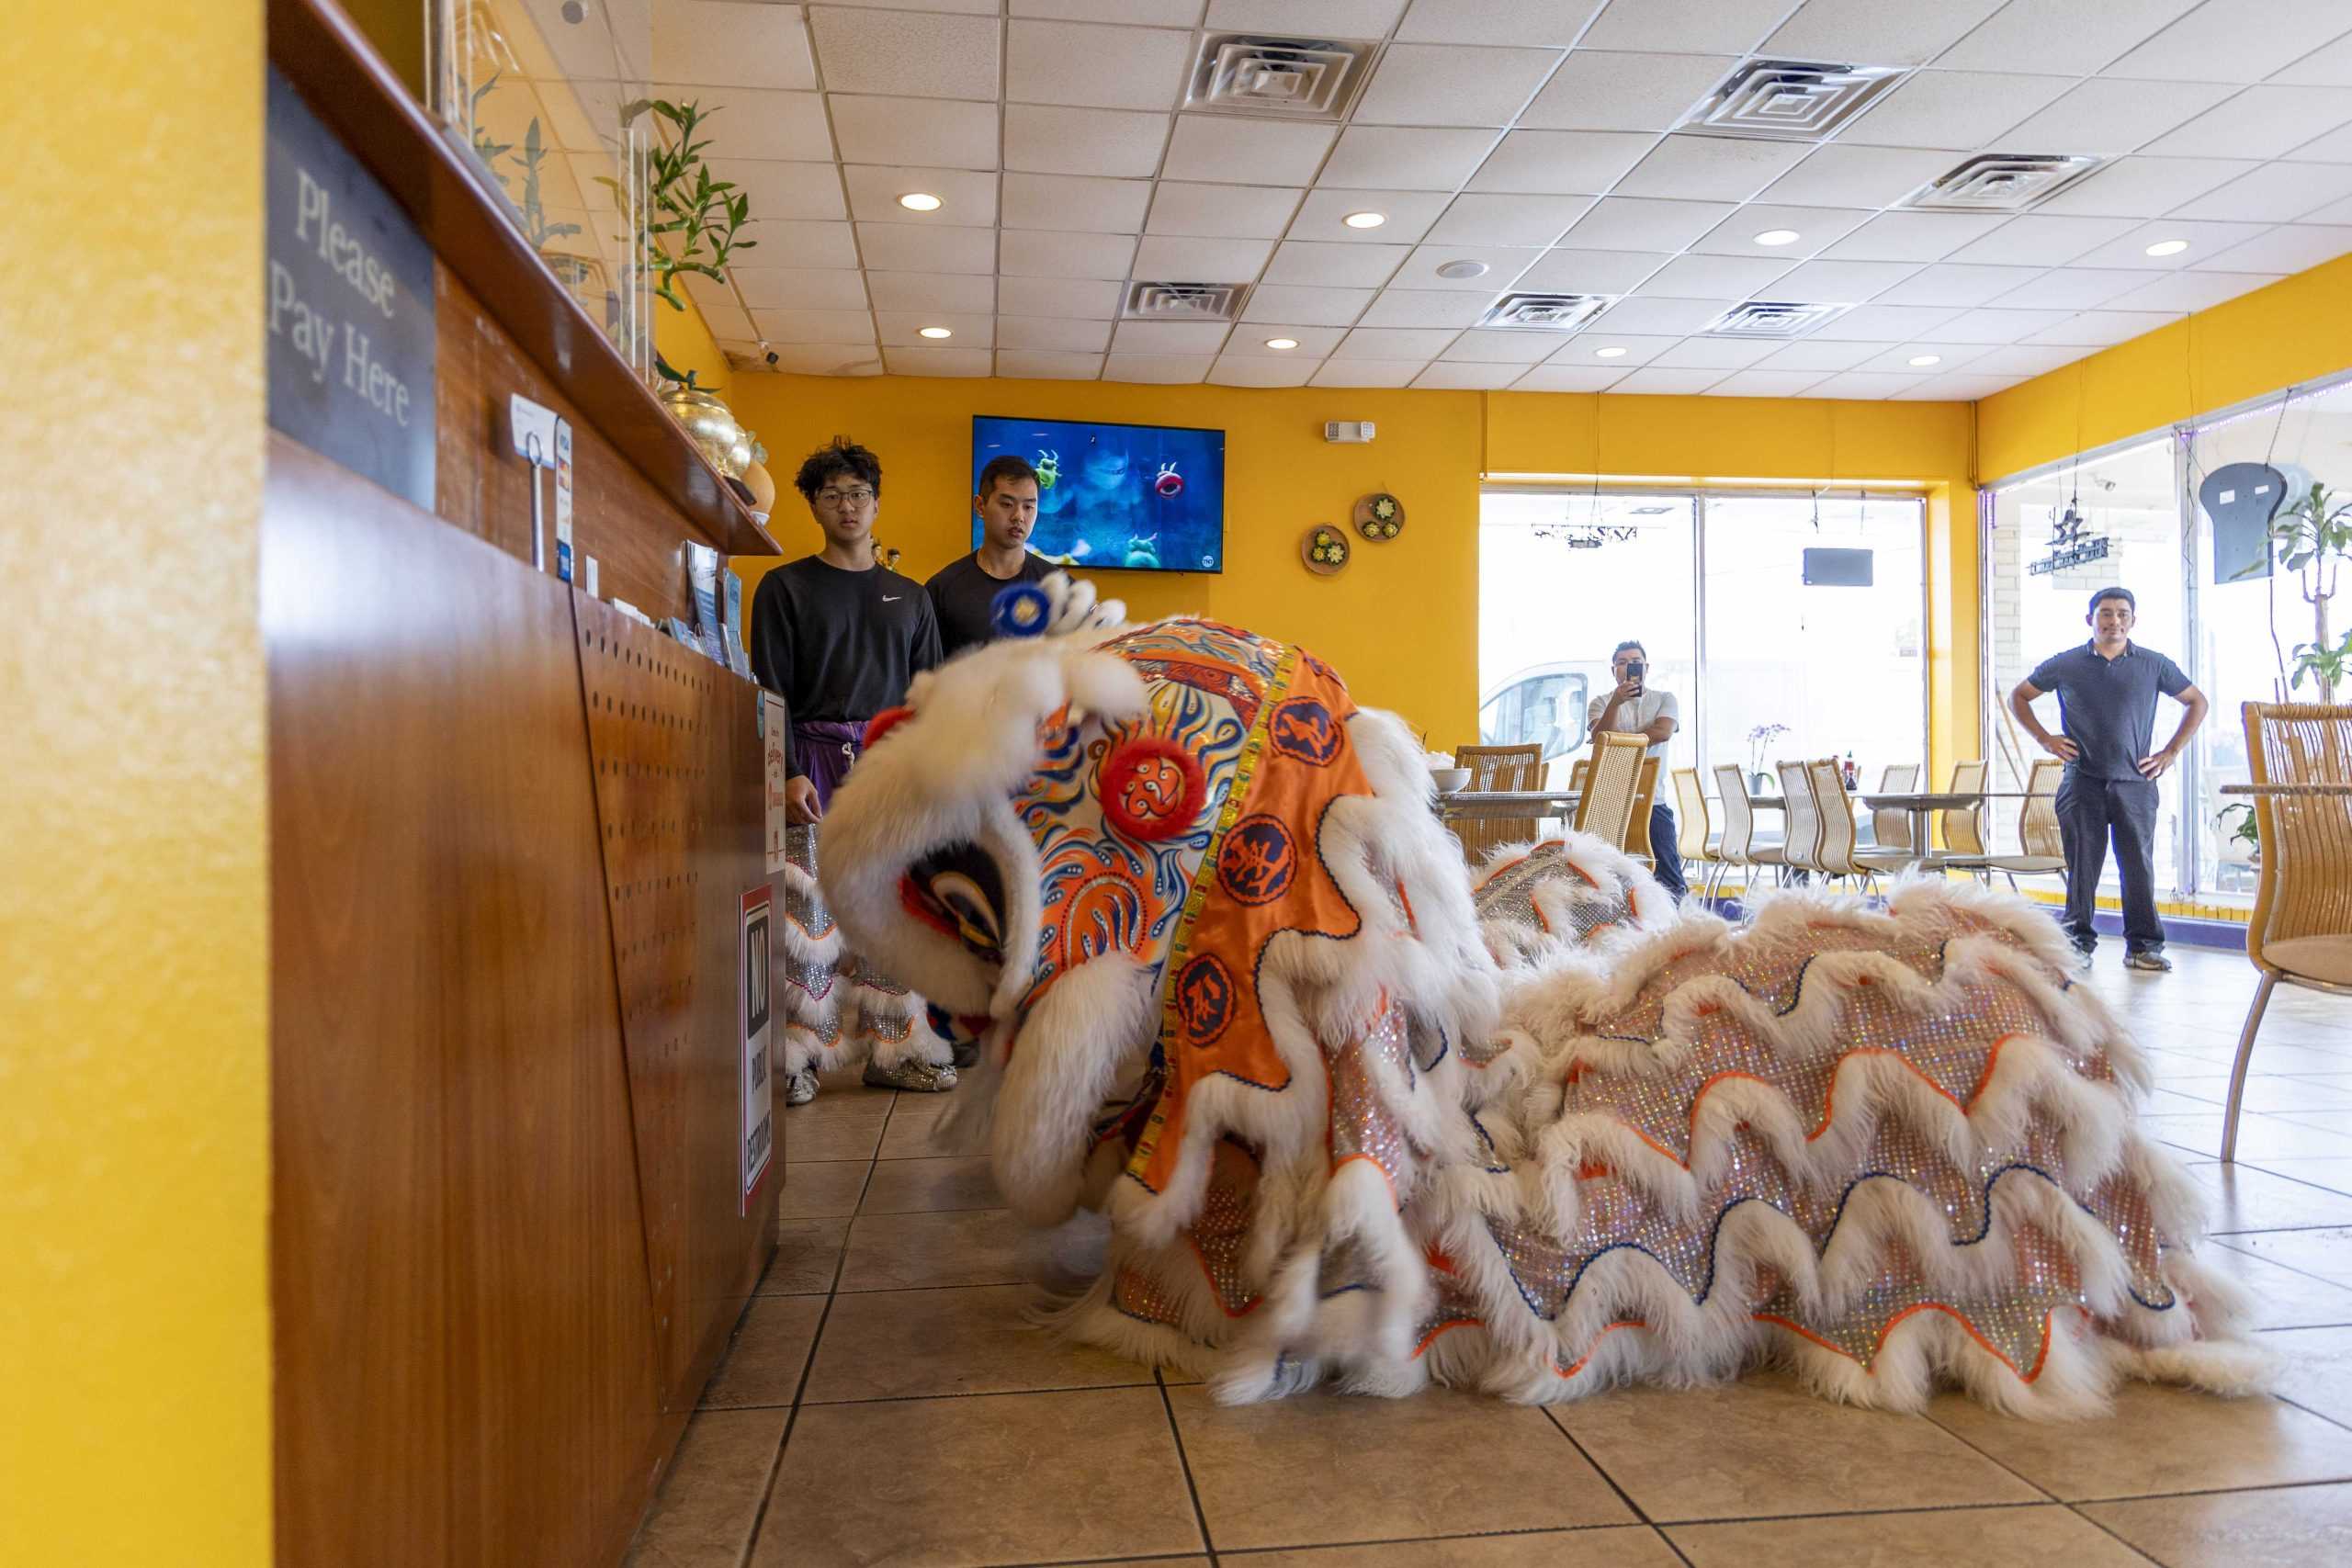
1380 516
1325 549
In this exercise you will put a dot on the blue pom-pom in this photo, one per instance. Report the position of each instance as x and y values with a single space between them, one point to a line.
1023 609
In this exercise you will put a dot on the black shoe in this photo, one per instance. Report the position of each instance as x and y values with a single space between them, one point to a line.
2149 958
966 1052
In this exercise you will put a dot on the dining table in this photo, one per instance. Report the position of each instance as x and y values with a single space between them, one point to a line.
1921 805
1460 804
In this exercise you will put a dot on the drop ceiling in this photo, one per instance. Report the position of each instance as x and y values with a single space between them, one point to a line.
1535 138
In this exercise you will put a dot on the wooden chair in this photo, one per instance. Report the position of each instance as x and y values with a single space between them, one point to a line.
1606 807
1964 825
1579 771
1838 854
1742 845
2299 758
1637 836
1498 767
1800 850
1890 826
2042 847
1691 840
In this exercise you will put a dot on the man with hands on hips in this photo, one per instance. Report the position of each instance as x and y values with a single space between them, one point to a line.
2106 707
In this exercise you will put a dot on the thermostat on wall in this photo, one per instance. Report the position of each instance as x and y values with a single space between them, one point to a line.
1348 430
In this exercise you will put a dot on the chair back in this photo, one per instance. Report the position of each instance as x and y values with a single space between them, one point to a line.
1835 808
1890 826
1606 807
1800 850
1690 823
1740 821
2302 907
1579 771
2038 831
1637 834
1964 829
1498 767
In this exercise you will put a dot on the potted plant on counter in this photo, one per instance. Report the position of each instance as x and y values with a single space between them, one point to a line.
2310 536
693 223
1763 735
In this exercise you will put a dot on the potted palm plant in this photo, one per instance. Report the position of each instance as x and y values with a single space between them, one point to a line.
2311 538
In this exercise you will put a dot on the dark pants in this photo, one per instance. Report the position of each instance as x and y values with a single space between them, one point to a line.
2089 810
1665 853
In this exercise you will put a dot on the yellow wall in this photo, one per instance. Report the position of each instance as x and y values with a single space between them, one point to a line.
2296 330
683 339
134 1114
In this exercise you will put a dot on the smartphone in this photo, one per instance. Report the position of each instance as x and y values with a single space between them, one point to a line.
1635 671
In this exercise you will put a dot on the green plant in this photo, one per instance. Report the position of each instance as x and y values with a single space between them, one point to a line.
535 227
2248 828
2311 538
694 222
669 372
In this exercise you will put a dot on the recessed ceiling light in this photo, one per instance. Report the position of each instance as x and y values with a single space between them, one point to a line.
1282 343
2167 247
1777 237
1608 354
1364 219
938 332
919 201
1926 359
1463 269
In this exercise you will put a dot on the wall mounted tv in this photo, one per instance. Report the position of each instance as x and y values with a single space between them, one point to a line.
1132 497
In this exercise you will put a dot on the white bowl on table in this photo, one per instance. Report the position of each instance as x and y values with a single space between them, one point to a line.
1448 780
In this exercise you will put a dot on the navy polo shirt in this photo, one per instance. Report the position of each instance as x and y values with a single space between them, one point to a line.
2108 707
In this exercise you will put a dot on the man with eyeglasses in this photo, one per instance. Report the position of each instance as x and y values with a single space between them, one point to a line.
962 594
840 637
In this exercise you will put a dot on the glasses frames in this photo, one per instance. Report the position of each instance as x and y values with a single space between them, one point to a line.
840 497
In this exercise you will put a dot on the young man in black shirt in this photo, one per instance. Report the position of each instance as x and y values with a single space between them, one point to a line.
2106 707
962 592
840 637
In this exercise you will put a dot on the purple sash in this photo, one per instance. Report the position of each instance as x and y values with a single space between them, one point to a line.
823 750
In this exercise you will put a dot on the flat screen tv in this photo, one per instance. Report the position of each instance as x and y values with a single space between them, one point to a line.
1115 497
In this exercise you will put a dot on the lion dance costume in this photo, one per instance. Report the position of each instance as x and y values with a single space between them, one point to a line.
1357 1114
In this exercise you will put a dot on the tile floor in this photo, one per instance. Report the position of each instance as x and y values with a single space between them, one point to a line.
884 1403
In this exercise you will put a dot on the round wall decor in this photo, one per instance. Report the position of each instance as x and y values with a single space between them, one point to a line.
1325 549
1380 516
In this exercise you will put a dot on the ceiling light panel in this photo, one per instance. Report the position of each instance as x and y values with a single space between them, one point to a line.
1543 312
2001 182
1790 99
1287 78
1147 301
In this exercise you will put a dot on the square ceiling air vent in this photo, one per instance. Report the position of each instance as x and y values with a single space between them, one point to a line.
1184 301
1286 78
1766 317
1545 312
1790 100
2002 182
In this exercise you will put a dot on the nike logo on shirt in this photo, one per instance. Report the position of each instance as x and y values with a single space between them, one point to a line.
892 598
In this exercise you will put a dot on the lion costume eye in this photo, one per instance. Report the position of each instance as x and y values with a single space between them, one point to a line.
957 891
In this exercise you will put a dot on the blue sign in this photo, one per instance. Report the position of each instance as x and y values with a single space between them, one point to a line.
346 308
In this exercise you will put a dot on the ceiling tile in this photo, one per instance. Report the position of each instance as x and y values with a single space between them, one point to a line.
828 359
1424 307
2108 118
774 189
1724 26
1966 388
1648 316
2129 252
1841 282
810 245
1366 373
2261 122
815 326
906 53
2065 38
912 247
1875 32
1497 21
1090 298
1503 263
1044 364
1233 212
1116 143
1667 382
1715 354
1087 203
1884 323
716 43
1500 348
1819 354
1603 90
974 8
1201 261
1239 371
1054 334
1591 347
1764 384
2067 288
2037 240
915 130
2292 247
1949 356
1314 343
1323 19
1914 236
1562 162
1469 376
725 318
1169 337
1441 84
2233 40
2004 325
1628 223
2274 193
933 291
1861 385
1954 284
2144 187
753 124
1714 278
1391 157
1086 66
1234 149
2328 67
2336 147
939 361
1570 378
1816 228
2192 290
1136 13
2104 329
1340 267
1409 215
1841 174
1311 306
1593 272
1711 168
966 196
2022 360
819 288
1172 368
1394 343
1952 109
1033 253
903 329
1481 219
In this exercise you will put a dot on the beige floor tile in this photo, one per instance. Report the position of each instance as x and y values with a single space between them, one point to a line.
914 1129
710 1499
922 1344
770 1352
2281 1297
930 1186
2247 1198
2159 1440
2319 1368
2334 1173
983 1246
1326 1469
2323 1253
808 1256
2042 1537
2199 1132
1764 1446
2294 1526
1611 1546
822 1188
832 1137
1009 1478
2273 1093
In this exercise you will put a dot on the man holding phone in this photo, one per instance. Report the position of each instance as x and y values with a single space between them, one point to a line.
1634 708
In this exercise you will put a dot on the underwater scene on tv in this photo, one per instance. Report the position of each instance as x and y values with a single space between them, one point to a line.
1131 497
